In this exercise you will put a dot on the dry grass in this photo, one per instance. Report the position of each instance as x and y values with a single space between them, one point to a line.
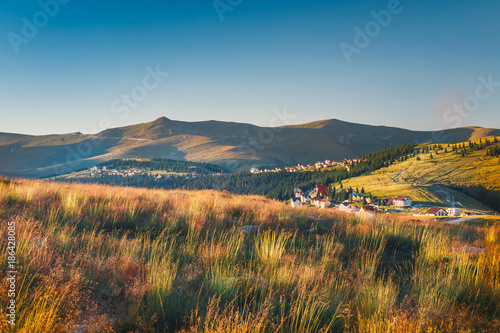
102 259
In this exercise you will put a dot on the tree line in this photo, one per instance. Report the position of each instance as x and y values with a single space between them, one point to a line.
278 185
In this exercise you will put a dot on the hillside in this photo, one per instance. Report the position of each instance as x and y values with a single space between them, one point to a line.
234 146
445 178
94 258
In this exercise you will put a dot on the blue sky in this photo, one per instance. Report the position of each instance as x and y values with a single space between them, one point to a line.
263 58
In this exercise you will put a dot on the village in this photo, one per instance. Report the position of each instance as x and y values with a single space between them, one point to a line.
346 163
96 171
365 203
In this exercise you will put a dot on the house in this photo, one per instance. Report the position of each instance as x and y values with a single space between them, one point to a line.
469 214
354 209
436 211
357 197
348 208
344 206
320 190
453 212
297 192
402 202
325 203
388 201
368 209
304 198
316 202
295 202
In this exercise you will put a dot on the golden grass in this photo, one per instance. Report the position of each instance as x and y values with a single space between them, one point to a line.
106 259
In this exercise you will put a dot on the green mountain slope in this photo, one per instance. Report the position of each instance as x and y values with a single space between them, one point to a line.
446 178
235 146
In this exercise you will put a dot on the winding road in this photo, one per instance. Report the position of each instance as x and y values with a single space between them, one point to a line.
402 171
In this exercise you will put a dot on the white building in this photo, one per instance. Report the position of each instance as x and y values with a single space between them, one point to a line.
436 211
453 212
402 202
325 203
348 208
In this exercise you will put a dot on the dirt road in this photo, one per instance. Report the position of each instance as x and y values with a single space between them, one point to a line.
462 220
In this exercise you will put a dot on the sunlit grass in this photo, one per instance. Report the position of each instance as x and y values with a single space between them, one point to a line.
134 260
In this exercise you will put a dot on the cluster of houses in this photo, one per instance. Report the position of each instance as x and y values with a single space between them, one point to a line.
317 197
437 211
348 208
347 163
94 171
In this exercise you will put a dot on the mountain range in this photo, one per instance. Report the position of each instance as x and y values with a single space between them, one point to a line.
236 146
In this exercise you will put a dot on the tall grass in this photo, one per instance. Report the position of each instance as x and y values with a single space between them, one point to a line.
270 246
102 259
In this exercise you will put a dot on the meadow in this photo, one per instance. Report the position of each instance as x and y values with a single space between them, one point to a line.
95 258
440 169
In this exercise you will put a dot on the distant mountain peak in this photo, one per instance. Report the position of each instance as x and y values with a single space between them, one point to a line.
161 121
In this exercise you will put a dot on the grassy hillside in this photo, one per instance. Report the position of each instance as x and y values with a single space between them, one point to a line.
430 179
233 145
103 259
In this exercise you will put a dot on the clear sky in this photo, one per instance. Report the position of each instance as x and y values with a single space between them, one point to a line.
71 68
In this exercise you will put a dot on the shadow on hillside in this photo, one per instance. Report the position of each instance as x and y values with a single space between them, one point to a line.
490 198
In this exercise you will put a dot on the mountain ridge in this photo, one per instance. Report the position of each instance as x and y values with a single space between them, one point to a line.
236 146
